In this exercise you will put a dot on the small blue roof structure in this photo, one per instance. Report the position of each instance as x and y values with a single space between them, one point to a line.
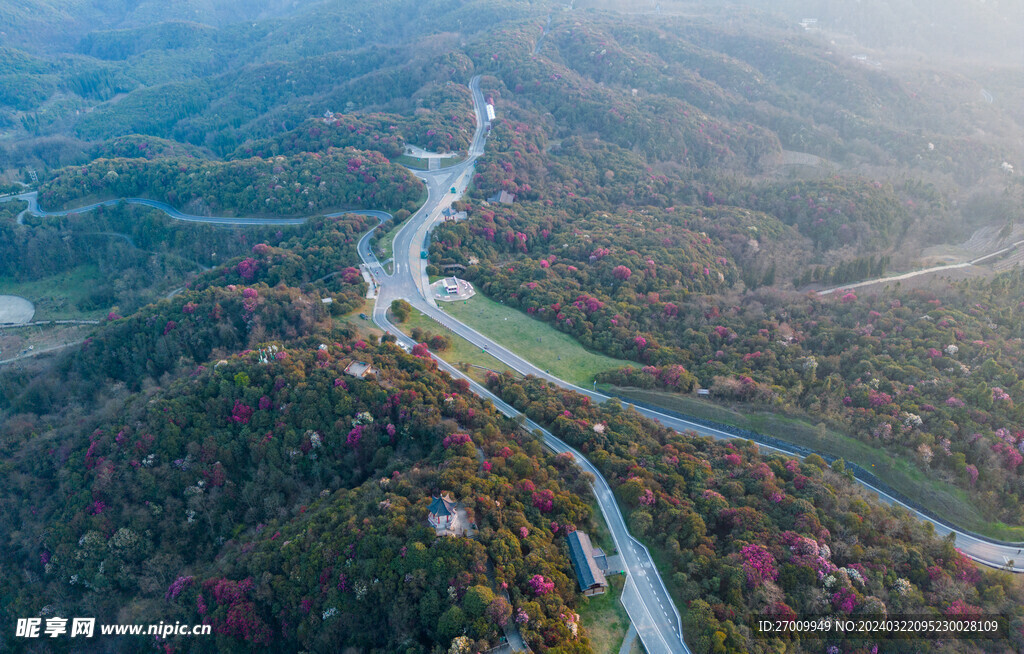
441 505
581 552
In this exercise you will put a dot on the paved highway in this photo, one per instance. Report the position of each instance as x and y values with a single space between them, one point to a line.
409 282
982 550
33 208
924 271
646 599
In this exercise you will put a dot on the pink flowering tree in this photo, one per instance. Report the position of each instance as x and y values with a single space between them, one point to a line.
522 617
246 268
456 439
544 500
241 413
541 586
354 436
499 611
178 585
844 600
236 614
758 564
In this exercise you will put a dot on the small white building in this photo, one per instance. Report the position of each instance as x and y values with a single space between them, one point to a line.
451 286
490 112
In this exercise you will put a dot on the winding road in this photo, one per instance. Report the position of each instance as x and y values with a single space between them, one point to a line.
32 198
645 596
409 282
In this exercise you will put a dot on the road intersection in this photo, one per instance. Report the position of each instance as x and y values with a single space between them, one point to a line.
411 285
645 597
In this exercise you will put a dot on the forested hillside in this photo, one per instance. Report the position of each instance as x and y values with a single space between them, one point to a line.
289 517
747 537
671 259
277 499
304 184
685 179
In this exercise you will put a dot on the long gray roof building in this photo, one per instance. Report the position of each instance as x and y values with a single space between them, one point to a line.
581 552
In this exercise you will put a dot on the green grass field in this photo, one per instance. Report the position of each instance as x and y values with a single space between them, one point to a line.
416 163
537 342
945 499
600 536
604 618
461 353
385 245
56 297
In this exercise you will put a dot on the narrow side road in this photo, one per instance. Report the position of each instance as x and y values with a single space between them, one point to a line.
410 285
648 604
924 271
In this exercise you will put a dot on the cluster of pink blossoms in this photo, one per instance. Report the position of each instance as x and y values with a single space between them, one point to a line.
541 586
758 564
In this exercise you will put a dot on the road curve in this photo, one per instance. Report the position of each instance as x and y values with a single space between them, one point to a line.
410 285
32 198
982 550
660 628
650 608
647 601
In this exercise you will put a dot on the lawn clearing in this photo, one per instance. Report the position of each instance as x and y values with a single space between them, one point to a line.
600 536
461 353
604 618
385 244
56 297
537 342
364 327
416 163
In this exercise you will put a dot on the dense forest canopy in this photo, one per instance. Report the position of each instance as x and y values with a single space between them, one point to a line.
686 177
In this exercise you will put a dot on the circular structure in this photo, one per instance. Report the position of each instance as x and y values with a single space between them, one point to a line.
15 310
451 289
